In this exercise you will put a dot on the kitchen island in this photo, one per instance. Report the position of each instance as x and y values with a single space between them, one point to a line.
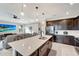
32 46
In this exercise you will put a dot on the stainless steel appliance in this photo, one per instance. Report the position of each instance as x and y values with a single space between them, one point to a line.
50 30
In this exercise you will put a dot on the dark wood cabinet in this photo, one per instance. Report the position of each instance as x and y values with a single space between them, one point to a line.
43 49
64 24
69 23
76 24
69 40
59 38
65 39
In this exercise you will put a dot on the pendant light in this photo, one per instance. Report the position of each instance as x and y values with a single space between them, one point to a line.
22 13
36 13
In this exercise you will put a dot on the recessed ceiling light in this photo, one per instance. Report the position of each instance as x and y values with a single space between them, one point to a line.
24 5
36 19
22 13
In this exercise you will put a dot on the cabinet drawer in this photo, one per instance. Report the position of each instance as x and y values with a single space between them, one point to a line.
50 44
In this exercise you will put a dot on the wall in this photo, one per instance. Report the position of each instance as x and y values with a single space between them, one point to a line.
34 27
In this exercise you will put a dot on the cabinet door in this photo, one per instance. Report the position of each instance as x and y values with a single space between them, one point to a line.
44 49
36 53
72 41
63 24
66 40
77 24
70 23
59 38
49 45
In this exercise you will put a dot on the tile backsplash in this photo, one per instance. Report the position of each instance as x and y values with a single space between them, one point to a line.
67 32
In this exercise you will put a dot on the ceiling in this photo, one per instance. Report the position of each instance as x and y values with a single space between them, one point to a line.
51 11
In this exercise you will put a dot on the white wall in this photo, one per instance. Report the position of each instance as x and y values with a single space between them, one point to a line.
34 27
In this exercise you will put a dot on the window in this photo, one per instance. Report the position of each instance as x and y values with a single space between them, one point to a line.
28 29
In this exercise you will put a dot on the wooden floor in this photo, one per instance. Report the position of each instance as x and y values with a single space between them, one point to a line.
57 49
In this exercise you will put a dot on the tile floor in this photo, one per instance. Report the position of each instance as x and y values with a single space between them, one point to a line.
57 49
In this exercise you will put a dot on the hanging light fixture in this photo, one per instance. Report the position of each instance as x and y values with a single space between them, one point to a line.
22 13
36 13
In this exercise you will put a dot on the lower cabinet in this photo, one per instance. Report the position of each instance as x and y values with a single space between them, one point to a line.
65 39
59 38
50 45
69 40
36 53
44 49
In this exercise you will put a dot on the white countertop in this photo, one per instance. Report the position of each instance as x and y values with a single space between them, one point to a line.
28 45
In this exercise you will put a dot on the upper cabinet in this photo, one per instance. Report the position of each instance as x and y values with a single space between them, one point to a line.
77 24
69 23
64 24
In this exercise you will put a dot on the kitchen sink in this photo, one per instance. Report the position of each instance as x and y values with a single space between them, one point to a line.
43 38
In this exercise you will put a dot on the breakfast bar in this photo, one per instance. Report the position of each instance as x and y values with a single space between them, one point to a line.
32 46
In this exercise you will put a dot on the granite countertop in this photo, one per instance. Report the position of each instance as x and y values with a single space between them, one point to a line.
29 45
